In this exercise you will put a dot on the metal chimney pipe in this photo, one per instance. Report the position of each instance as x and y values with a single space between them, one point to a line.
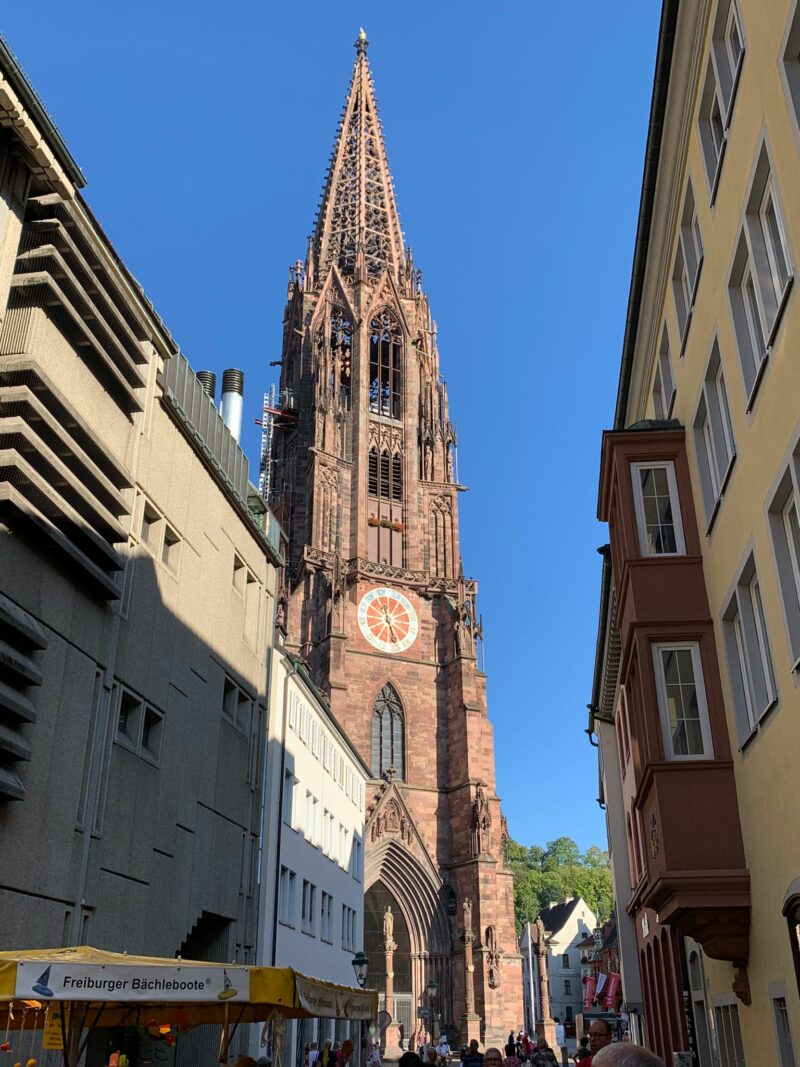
208 380
232 400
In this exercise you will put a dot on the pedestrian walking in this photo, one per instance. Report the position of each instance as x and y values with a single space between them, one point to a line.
511 1045
474 1058
582 1051
543 1055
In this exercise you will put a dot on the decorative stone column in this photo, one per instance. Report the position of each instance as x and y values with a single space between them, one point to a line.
545 1027
392 1037
472 1021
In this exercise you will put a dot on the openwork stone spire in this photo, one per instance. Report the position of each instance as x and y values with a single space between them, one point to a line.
358 215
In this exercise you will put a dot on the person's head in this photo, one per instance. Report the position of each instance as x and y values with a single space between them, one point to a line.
245 1061
327 1046
541 1042
626 1056
599 1035
493 1057
336 1046
584 1042
473 1046
432 1055
409 1059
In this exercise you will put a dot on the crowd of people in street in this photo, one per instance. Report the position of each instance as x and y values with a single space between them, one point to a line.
596 1048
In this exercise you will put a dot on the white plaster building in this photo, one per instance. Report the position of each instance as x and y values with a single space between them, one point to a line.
566 924
312 864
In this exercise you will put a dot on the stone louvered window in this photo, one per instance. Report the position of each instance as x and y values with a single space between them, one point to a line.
387 733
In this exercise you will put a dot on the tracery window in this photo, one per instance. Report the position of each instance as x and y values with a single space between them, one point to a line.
341 349
385 366
387 733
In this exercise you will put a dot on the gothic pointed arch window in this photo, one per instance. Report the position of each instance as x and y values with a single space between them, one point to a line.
385 366
388 733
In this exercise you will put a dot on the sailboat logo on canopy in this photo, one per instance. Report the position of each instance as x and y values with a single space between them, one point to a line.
40 986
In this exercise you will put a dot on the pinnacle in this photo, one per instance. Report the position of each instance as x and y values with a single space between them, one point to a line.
358 215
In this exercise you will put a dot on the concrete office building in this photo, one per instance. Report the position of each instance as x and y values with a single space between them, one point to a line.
137 582
312 875
696 697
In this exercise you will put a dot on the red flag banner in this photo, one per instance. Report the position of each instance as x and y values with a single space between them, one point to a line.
612 991
588 992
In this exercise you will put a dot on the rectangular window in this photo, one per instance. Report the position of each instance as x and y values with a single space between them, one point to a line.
688 261
783 1032
729 1036
348 928
129 717
171 549
784 518
151 528
326 918
713 434
286 904
139 725
682 702
657 510
151 732
327 844
567 987
308 907
239 574
774 244
762 275
712 128
663 382
288 798
749 658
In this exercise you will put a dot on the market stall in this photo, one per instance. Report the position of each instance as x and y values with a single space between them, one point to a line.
65 994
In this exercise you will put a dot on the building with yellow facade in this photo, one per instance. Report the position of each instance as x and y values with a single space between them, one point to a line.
696 702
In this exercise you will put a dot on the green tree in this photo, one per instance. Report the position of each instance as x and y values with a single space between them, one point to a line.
542 875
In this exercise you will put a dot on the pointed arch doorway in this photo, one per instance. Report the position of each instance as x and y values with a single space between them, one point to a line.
377 899
396 877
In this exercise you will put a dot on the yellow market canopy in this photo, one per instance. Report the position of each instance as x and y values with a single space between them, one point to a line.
98 988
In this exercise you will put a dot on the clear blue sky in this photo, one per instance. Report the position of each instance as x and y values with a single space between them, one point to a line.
515 132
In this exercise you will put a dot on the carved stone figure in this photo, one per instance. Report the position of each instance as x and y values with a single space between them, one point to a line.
467 906
492 956
388 923
481 822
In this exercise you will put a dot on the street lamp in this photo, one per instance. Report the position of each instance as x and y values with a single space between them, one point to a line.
433 985
361 967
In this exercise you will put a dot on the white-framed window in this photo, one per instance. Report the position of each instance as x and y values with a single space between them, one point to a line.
565 963
288 797
729 1034
567 987
783 1028
688 261
312 818
286 897
658 514
748 652
308 908
685 725
784 518
327 843
663 381
719 89
348 928
713 435
355 858
344 846
326 918
762 276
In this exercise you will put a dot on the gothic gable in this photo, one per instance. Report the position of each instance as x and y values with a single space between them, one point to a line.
389 821
333 291
388 295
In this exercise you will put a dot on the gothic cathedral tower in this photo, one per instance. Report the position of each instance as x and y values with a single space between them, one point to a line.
376 602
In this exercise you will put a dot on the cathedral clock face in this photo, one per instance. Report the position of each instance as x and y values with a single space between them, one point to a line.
387 619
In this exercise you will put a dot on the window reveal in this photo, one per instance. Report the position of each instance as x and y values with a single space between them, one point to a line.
385 366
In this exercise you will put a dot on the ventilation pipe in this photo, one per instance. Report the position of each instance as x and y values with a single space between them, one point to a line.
208 380
232 400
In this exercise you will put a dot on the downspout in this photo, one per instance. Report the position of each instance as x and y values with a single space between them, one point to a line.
262 813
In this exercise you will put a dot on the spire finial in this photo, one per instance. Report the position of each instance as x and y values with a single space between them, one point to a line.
362 44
